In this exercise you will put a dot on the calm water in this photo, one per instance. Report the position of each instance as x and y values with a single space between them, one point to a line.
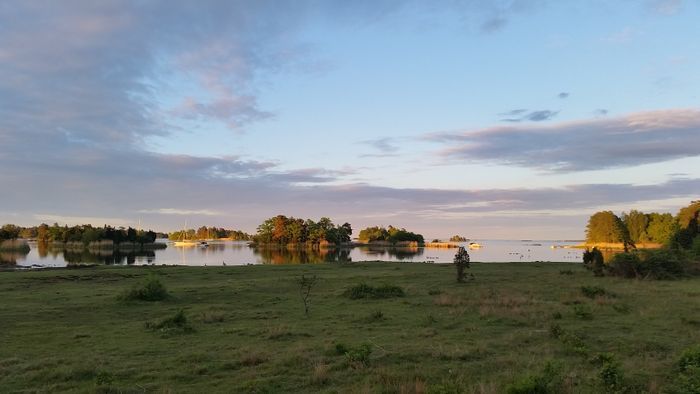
238 253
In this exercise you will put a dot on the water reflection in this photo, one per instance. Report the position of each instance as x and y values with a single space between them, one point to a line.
397 253
95 256
11 258
225 253
302 255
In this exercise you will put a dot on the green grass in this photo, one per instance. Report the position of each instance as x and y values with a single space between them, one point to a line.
243 329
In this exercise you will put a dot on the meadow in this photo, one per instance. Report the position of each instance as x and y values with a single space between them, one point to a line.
371 327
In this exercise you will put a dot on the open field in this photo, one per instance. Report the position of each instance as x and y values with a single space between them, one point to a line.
66 330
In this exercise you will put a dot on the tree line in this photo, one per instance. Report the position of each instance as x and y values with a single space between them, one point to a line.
205 232
81 233
678 257
283 230
637 227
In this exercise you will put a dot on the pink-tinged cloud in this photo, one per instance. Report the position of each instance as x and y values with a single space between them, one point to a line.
592 144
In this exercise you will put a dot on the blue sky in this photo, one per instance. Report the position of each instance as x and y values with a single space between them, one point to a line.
498 119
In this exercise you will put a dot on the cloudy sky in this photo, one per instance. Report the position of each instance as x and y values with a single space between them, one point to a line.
486 118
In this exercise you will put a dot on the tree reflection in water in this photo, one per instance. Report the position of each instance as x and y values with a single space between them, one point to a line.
400 253
277 255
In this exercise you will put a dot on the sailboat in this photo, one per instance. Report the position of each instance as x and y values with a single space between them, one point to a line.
185 242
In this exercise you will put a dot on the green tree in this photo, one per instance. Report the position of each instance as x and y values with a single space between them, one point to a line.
9 231
661 227
636 223
606 227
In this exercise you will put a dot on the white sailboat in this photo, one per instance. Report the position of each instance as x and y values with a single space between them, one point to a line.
185 242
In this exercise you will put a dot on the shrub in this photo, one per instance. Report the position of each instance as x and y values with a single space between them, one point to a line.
611 375
547 381
359 356
624 264
593 260
687 377
556 331
364 290
649 264
689 359
340 349
593 291
177 323
151 290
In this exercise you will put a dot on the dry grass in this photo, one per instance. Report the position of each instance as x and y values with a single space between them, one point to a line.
319 374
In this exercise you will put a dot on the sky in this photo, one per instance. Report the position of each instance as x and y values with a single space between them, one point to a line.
508 119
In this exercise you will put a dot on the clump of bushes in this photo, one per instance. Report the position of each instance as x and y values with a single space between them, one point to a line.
648 264
152 289
364 290
177 323
687 376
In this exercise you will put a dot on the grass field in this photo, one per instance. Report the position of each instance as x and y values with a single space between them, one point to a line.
515 326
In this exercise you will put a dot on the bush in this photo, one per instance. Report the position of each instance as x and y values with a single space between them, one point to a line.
624 264
177 323
593 260
359 356
593 291
611 375
649 264
690 359
687 378
364 290
548 381
151 290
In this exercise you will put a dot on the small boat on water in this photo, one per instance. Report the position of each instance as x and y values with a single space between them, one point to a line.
474 245
203 244
185 243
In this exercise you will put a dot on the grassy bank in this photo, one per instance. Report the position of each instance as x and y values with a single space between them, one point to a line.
244 329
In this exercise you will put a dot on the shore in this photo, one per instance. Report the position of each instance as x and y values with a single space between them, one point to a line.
618 245
245 329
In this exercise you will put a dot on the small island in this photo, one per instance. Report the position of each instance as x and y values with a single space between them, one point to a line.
391 235
294 232
209 233
92 238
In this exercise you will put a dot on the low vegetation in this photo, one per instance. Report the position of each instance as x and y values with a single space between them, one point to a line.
364 290
241 329
150 290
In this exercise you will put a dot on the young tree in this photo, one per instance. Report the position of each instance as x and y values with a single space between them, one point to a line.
306 283
461 261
